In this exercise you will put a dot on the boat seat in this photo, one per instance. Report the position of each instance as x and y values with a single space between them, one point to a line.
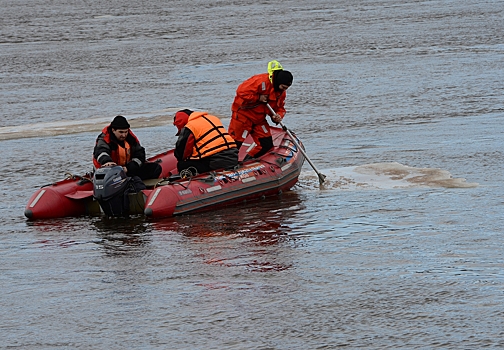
149 183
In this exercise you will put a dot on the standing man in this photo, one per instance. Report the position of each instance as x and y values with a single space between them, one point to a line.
203 143
249 107
117 145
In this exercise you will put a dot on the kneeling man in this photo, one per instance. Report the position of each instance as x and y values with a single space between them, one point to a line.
203 142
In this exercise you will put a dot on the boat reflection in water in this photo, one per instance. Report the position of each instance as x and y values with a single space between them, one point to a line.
254 236
121 236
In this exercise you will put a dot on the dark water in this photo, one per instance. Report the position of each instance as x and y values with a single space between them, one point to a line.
399 103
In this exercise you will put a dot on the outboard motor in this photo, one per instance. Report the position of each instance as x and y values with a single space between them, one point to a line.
111 188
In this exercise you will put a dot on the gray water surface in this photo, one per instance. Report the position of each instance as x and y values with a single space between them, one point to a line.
399 103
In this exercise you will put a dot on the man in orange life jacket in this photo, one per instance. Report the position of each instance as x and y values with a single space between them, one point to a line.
203 142
117 145
249 108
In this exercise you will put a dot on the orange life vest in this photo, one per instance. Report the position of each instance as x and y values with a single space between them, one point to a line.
210 135
123 154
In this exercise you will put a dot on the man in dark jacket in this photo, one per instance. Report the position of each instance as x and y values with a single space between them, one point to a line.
203 143
117 145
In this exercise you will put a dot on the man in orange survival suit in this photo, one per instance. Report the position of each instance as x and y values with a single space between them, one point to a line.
250 110
117 145
203 142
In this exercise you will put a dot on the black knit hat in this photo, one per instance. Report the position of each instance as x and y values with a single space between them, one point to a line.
282 77
120 122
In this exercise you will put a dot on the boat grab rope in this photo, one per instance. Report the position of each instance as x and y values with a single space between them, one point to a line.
293 150
88 177
159 182
210 178
288 147
273 163
70 176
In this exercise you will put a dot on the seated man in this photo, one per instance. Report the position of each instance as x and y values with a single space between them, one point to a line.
203 142
117 145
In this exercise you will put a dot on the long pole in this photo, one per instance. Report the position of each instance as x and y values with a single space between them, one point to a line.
320 175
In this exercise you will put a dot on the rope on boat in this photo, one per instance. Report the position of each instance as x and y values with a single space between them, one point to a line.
88 177
188 173
159 182
70 176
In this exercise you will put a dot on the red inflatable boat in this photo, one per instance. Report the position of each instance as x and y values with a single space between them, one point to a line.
268 175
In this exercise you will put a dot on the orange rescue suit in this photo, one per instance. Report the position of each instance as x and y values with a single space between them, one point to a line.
249 115
246 103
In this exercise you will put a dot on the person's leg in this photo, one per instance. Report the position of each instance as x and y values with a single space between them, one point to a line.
226 159
263 140
149 171
239 128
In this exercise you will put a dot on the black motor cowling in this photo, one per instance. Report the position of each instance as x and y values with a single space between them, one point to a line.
111 189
